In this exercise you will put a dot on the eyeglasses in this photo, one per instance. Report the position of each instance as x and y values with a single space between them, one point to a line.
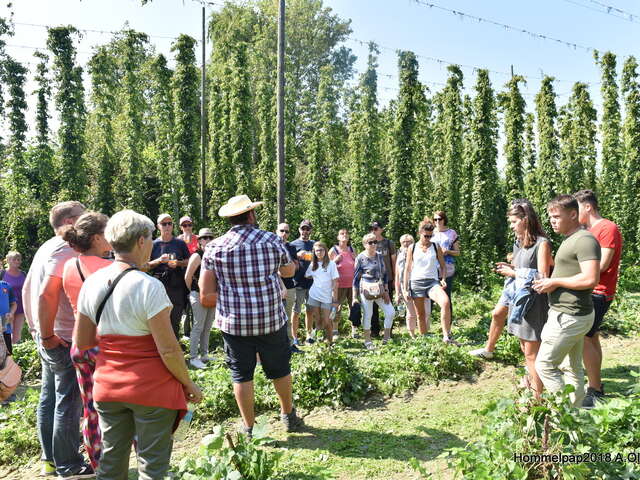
284 231
437 219
305 228
372 242
166 224
187 225
206 238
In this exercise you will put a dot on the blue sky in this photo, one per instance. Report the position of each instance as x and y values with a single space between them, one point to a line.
396 24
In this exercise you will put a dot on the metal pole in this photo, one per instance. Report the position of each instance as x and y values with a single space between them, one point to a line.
280 114
203 125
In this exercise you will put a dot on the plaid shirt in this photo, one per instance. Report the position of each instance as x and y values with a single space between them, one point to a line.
246 262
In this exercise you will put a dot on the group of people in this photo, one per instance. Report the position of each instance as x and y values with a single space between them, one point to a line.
104 303
556 305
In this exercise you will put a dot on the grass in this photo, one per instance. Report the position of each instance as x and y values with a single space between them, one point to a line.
376 438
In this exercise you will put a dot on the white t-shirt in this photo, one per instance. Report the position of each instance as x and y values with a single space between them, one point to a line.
49 261
137 298
322 287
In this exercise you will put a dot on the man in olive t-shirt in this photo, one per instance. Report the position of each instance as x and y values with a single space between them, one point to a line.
576 272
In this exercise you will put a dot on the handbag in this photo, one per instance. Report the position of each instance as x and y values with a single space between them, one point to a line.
10 373
372 290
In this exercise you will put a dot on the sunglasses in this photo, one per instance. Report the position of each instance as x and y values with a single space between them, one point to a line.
305 228
284 231
372 242
437 219
166 224
206 238
187 225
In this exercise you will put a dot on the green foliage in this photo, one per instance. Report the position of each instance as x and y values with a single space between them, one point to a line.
326 376
513 104
18 440
221 457
546 178
486 212
526 426
611 203
631 138
26 356
186 133
622 317
404 145
69 99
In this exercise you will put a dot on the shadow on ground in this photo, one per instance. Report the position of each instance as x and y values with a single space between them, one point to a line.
617 380
425 446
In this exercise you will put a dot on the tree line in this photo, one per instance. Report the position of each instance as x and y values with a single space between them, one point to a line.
133 139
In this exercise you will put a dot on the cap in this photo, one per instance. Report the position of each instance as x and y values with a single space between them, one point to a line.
306 223
237 205
163 216
205 232
375 225
186 218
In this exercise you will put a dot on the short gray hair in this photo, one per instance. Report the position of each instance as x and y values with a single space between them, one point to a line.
64 210
125 228
368 237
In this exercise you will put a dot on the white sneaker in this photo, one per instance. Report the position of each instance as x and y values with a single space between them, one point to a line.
482 353
197 363
207 358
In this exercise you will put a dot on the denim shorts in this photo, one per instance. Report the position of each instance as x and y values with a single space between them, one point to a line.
312 302
421 288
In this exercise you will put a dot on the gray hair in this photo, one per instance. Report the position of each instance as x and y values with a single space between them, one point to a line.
125 228
368 237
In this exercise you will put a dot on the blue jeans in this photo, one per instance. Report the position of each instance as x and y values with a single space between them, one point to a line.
59 410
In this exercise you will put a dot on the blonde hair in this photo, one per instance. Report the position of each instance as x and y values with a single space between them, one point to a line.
11 254
368 237
407 236
325 259
125 228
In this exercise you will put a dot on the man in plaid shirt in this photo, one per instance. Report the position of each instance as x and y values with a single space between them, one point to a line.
241 277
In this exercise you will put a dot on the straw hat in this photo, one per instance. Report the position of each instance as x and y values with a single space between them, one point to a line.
237 205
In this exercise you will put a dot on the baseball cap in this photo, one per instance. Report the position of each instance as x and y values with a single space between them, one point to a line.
306 223
375 225
205 232
163 216
186 218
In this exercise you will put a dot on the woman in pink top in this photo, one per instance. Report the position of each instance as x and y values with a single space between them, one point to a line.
190 238
15 277
87 238
345 260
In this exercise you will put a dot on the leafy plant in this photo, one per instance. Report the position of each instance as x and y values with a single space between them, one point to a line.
220 457
18 439
26 356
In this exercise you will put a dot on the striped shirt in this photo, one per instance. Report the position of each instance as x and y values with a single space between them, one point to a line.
246 261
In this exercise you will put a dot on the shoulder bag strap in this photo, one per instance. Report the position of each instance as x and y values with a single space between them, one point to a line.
110 291
79 269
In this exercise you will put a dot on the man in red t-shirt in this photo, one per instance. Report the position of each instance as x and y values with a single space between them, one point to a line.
610 240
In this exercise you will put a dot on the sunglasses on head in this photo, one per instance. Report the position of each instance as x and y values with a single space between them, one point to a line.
372 242
166 224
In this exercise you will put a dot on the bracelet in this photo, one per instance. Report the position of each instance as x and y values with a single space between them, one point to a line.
45 339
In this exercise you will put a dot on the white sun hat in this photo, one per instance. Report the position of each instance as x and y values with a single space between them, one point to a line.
237 205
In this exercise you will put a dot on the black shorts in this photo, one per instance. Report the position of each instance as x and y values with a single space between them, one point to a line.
274 350
600 307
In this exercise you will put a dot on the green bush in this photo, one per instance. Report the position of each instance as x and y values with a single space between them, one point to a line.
26 356
326 376
629 278
220 457
622 317
218 402
18 437
523 425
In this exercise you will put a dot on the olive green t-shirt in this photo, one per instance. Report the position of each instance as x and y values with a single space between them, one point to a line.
577 247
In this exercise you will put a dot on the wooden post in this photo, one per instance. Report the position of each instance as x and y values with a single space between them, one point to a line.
280 114
203 125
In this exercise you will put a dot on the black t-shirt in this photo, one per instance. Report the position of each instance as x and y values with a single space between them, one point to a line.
170 277
299 278
290 282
